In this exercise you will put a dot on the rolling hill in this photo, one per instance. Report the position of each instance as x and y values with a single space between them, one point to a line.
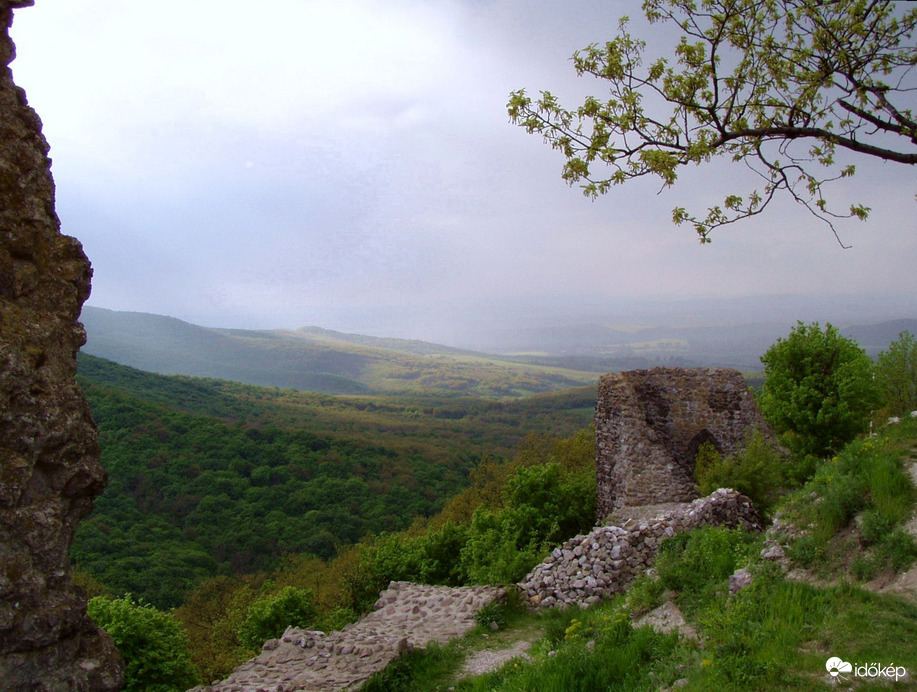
530 360
314 359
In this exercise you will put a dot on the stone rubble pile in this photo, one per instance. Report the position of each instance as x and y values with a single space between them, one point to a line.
406 616
605 561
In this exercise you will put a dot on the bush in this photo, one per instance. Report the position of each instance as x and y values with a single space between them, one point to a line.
807 551
896 375
863 568
756 473
502 546
543 506
898 549
336 619
818 389
152 642
874 526
269 617
491 614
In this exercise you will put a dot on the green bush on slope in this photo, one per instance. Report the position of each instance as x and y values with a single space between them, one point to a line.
818 389
152 642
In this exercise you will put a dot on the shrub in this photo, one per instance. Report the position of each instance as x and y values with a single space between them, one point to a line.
757 472
863 568
818 389
268 617
898 549
896 374
502 546
543 505
874 526
336 619
806 550
154 645
491 614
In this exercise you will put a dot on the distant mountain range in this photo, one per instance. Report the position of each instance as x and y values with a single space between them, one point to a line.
535 360
313 359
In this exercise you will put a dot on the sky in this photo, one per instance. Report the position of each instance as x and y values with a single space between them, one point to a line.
350 164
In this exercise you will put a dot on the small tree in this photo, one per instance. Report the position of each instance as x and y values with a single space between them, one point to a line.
896 374
818 389
153 643
779 85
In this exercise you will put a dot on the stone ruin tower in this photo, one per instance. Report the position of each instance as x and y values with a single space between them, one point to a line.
649 425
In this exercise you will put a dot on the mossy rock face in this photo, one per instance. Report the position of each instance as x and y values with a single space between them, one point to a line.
49 452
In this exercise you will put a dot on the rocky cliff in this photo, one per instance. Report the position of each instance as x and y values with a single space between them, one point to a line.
49 453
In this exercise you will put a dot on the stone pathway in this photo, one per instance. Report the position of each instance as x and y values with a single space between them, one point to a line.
407 616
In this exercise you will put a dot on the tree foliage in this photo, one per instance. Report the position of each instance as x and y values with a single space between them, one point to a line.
780 85
518 511
268 617
896 374
213 478
154 645
818 389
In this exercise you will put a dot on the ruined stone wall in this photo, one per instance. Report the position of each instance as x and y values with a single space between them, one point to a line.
49 454
649 425
604 562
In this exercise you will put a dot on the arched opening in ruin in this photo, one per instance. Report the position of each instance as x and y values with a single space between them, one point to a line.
688 458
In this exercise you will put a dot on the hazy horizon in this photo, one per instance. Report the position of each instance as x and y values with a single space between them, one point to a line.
529 325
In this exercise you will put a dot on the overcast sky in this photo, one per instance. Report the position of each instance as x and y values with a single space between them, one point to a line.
350 164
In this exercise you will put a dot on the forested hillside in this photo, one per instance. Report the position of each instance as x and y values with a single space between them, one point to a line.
211 477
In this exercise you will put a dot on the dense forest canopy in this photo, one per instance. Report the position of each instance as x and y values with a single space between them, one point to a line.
210 477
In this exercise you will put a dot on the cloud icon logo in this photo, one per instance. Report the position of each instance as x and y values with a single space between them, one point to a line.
836 666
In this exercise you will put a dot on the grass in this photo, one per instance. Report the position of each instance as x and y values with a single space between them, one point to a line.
774 635
852 510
